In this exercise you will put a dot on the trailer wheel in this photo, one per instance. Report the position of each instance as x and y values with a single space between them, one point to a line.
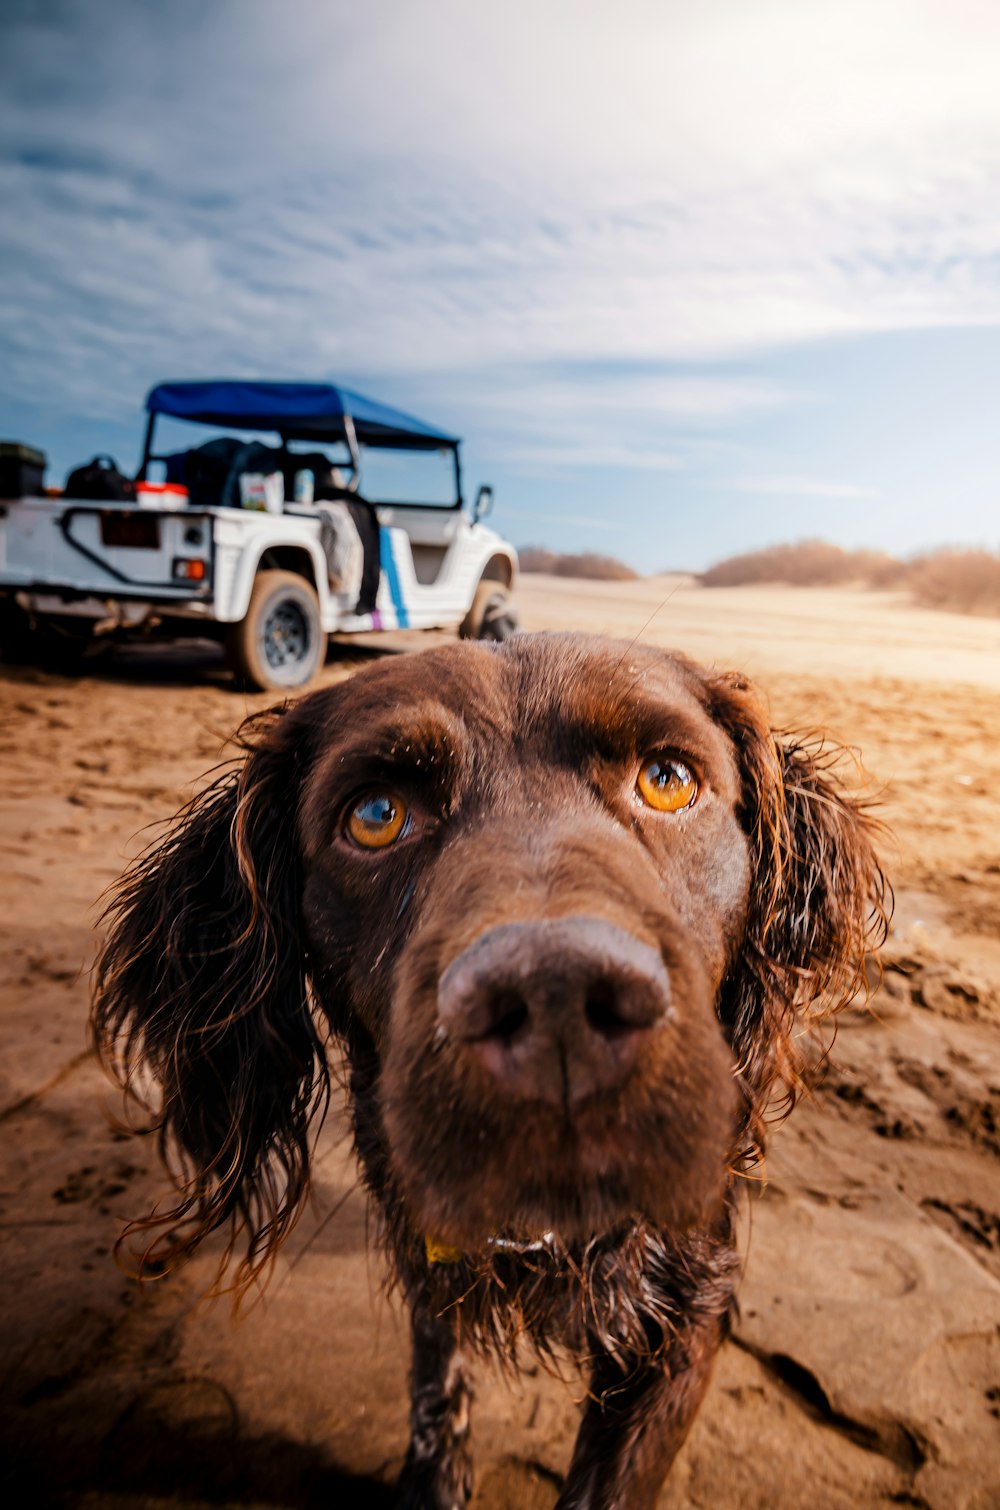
492 615
281 643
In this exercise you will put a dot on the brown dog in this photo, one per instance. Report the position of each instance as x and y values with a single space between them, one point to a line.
562 903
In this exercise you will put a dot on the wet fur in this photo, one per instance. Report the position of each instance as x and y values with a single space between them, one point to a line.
251 937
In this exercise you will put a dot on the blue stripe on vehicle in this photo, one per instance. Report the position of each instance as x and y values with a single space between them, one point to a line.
392 577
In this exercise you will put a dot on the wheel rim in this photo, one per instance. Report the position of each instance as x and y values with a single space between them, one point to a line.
497 622
285 640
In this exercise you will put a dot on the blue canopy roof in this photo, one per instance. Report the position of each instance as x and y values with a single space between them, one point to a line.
299 411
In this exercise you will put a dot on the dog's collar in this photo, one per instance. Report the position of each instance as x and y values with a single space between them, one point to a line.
444 1253
440 1253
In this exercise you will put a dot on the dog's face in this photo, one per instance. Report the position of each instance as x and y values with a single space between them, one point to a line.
563 897
527 875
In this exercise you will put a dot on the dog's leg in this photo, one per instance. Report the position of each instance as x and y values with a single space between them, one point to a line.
438 1470
635 1423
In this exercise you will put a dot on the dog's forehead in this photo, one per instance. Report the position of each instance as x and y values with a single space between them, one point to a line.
589 676
404 694
533 692
617 698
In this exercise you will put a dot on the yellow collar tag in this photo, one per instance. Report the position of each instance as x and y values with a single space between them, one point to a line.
441 1253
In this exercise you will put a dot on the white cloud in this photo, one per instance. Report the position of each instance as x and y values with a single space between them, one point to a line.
638 417
607 453
579 521
458 189
802 487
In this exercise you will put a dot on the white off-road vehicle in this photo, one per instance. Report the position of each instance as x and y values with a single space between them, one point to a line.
270 547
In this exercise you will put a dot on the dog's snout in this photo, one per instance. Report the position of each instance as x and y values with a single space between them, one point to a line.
555 1010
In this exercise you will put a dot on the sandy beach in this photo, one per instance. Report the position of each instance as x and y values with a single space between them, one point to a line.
865 1365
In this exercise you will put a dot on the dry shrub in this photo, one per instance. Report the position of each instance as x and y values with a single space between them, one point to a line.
535 558
806 563
963 581
960 580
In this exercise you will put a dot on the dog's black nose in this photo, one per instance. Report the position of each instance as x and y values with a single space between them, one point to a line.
557 1009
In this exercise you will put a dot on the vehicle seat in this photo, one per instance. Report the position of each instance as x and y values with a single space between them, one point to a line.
207 470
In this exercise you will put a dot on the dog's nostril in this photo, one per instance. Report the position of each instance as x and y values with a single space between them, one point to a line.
508 1014
601 1010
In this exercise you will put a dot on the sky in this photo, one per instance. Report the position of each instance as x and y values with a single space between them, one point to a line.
688 279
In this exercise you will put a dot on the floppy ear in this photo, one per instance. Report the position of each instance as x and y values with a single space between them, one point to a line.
818 902
201 987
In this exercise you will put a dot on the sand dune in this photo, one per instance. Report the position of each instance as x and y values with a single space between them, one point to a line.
865 1369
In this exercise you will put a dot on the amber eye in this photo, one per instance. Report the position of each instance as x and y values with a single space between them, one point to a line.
667 784
377 819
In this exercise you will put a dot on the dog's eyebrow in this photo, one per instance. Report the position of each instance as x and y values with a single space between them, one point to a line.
615 729
424 742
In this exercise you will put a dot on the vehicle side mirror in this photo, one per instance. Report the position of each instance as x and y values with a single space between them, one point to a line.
484 503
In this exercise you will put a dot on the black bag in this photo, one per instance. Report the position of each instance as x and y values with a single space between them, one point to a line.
22 470
100 478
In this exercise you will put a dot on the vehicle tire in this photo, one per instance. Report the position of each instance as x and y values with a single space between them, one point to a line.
281 643
492 615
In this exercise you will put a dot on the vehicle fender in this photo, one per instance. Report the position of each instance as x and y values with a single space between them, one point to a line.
239 555
501 565
497 559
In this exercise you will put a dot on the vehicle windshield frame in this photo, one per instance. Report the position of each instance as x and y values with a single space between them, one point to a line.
335 428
